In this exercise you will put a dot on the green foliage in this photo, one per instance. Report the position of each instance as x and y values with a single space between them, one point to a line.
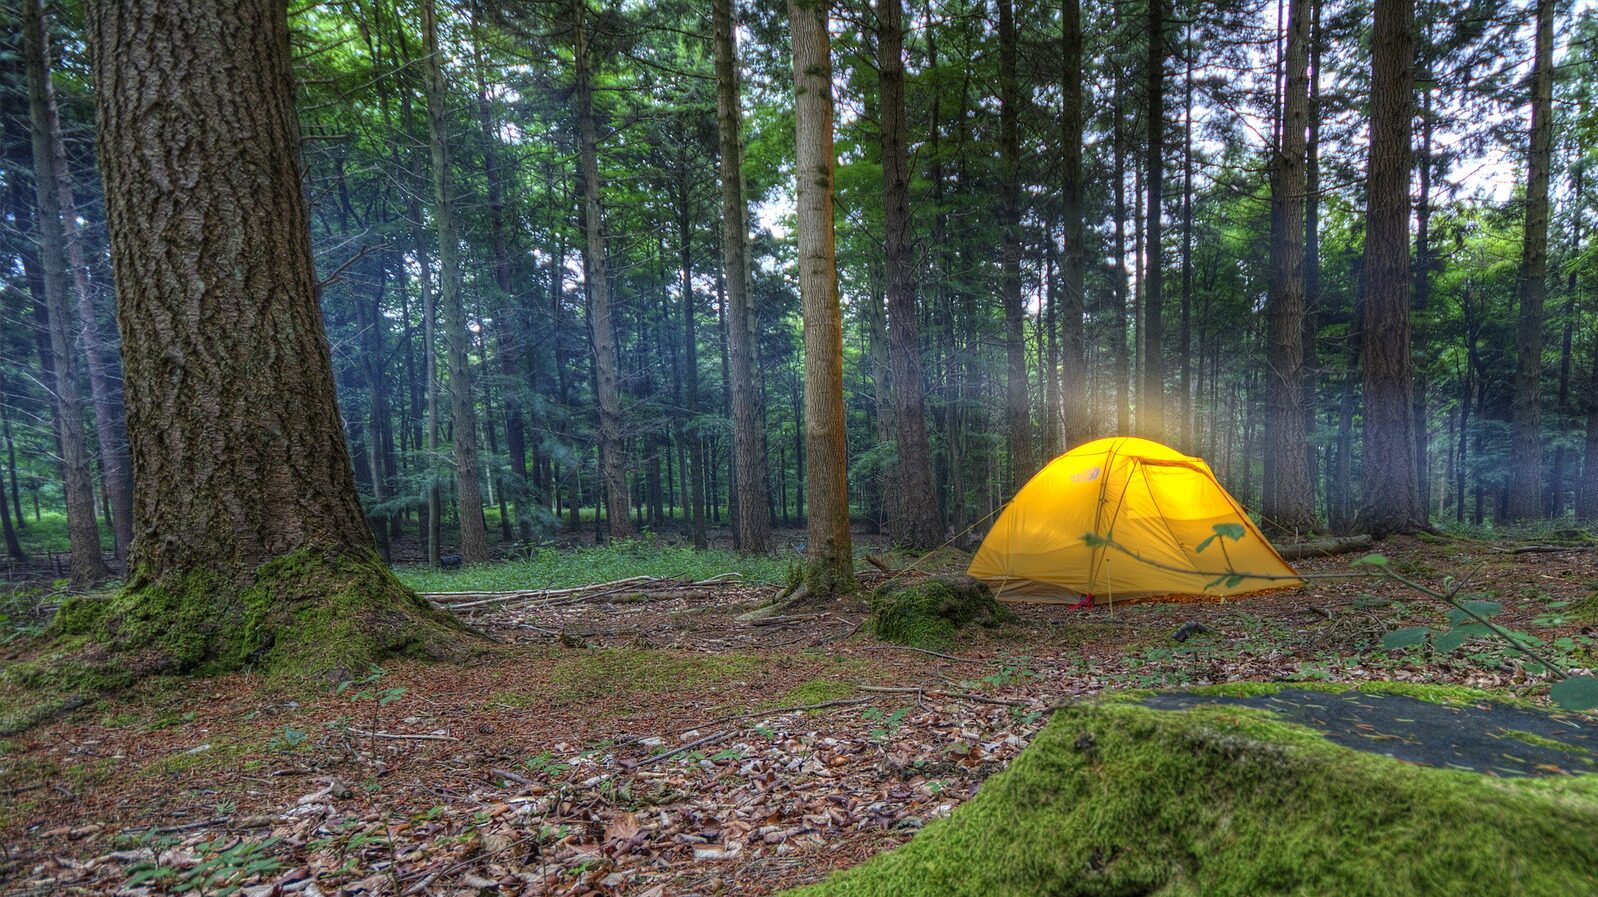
1113 798
930 612
224 867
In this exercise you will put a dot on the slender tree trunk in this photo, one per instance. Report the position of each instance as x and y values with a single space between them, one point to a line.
1018 416
1151 398
1184 405
831 567
1289 505
749 436
1421 299
919 523
1312 247
110 432
13 544
1587 493
463 410
1391 501
250 546
1078 426
612 449
1123 364
87 565
1525 488
690 342
507 324
1555 502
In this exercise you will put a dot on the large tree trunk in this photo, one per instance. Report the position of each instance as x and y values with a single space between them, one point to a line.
1289 505
919 523
1151 397
87 565
250 547
831 561
748 435
463 411
1074 259
1018 415
1391 501
1525 485
596 271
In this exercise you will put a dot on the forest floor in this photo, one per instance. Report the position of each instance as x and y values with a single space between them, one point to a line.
653 744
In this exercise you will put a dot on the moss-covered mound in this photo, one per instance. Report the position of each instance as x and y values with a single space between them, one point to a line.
929 613
301 617
1120 798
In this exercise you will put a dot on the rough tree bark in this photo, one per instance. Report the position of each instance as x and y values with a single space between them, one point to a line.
250 548
1525 485
1391 500
1289 504
748 435
831 561
462 410
87 567
1074 259
1018 415
596 271
919 523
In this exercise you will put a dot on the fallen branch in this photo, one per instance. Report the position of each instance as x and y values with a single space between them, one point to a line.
940 654
1540 549
779 621
1324 547
939 693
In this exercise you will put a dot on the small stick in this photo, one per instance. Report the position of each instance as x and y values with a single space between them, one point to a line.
397 736
510 776
714 736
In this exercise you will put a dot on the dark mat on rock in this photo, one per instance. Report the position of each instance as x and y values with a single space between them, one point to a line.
1492 738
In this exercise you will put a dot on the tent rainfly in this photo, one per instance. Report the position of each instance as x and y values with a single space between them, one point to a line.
1125 519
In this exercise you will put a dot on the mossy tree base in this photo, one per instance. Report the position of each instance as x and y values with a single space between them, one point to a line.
1116 798
303 616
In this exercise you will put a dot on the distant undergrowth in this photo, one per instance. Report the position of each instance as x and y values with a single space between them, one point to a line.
560 568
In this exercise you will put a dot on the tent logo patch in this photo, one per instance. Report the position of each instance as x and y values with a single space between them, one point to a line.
1086 476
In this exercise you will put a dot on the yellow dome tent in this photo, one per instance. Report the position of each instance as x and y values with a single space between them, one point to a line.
1126 518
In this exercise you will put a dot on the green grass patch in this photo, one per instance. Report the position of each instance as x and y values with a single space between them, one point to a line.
1115 798
550 568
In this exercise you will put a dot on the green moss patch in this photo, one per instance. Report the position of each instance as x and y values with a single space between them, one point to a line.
1118 798
929 613
816 691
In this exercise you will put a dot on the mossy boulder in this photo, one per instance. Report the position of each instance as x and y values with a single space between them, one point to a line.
930 612
1117 797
